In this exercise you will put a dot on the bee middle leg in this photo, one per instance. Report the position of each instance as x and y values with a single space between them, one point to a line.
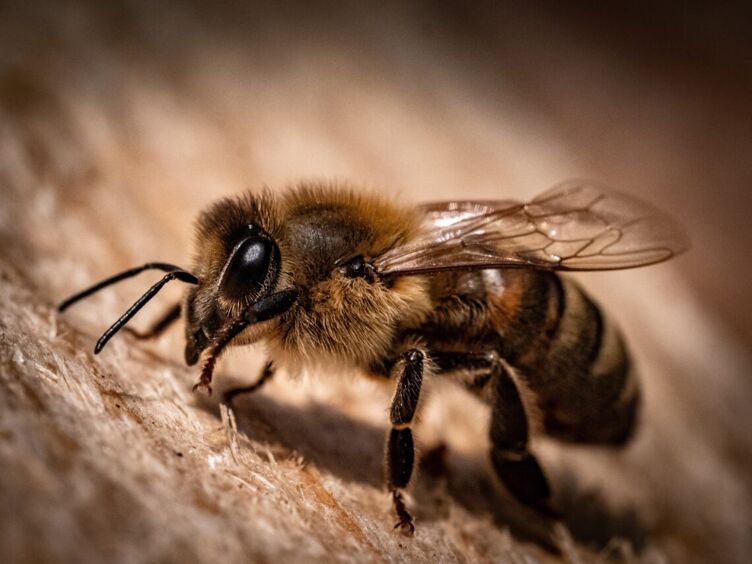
400 449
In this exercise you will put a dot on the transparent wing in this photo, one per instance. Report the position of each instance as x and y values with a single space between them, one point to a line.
574 226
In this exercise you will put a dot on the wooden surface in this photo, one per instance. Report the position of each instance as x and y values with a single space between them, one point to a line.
117 125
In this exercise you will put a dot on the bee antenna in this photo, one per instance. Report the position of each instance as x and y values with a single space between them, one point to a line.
117 278
178 274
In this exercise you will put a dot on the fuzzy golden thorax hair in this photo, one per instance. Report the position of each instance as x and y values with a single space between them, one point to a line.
336 318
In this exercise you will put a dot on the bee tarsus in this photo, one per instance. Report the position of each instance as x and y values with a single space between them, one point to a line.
405 523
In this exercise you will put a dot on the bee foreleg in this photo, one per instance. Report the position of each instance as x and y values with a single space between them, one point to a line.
515 466
266 375
400 449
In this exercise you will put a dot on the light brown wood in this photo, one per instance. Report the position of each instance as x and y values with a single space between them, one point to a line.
117 126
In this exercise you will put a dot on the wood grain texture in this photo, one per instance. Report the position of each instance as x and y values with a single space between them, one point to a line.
119 124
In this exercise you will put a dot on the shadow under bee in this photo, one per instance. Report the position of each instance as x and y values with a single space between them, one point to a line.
352 450
589 519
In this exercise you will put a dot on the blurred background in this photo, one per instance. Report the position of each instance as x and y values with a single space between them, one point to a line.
120 121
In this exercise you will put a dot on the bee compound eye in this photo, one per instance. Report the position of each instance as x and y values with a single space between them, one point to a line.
249 267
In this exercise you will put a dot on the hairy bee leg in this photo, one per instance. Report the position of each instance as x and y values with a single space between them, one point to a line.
266 308
159 326
266 375
516 467
400 449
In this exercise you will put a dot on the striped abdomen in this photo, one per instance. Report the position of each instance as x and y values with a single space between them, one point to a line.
567 354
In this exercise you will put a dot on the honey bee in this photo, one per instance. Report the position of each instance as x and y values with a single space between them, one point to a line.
466 290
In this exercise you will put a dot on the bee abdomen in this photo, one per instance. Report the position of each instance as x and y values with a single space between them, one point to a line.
571 357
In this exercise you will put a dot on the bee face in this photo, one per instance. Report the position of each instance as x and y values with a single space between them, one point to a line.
238 263
250 273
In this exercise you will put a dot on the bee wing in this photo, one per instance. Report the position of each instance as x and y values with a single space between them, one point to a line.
574 226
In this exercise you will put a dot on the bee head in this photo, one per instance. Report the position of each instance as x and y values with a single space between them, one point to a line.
317 241
238 263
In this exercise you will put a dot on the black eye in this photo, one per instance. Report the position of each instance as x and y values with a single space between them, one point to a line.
252 262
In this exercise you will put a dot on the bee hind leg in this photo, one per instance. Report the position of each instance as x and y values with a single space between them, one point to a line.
517 468
515 465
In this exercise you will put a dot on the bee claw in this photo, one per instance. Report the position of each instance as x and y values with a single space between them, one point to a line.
201 384
405 527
